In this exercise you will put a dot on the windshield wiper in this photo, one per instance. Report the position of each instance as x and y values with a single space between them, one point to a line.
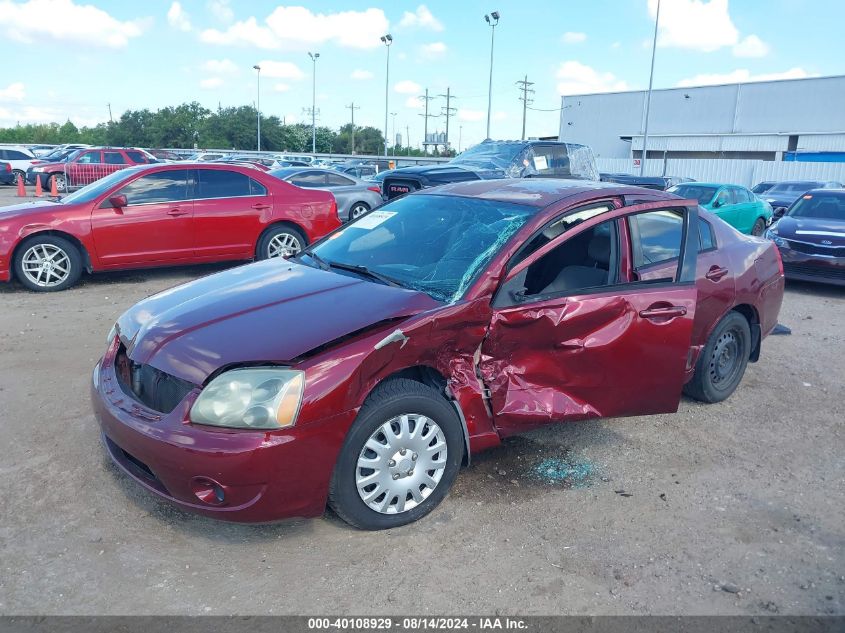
363 270
321 263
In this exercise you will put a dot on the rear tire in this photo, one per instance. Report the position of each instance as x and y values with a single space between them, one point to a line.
47 263
759 227
280 240
415 465
357 210
723 360
18 173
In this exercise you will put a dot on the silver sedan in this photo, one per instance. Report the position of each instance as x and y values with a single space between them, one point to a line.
354 197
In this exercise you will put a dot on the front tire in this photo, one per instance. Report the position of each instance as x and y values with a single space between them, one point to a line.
723 360
759 227
47 263
399 459
280 241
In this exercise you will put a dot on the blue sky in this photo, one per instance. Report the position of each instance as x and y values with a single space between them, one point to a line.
70 58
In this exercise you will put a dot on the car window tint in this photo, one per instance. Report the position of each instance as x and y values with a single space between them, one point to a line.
256 188
308 179
162 186
656 236
114 158
337 180
220 183
706 240
589 259
89 158
136 156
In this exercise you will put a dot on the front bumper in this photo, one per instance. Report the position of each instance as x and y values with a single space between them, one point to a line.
230 474
805 267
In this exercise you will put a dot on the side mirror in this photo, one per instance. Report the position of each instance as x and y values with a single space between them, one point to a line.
119 201
780 212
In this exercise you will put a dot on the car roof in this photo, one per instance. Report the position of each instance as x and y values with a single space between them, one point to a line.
537 192
834 190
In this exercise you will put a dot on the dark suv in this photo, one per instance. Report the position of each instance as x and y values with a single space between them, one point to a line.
498 159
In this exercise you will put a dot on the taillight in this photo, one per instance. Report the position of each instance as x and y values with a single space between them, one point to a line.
8 167
375 188
333 208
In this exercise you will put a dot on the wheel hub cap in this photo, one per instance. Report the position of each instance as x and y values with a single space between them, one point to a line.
45 265
283 245
401 464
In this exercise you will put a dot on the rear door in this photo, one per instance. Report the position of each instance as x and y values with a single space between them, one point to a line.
85 168
578 332
230 211
155 227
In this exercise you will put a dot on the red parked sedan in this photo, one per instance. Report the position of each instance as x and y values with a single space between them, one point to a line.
160 215
364 371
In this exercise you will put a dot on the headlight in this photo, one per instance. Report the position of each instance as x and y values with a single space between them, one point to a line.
772 234
251 398
112 334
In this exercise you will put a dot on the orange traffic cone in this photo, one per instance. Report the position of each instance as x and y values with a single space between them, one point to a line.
54 189
21 188
38 191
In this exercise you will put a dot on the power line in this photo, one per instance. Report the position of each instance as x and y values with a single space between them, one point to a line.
352 107
525 86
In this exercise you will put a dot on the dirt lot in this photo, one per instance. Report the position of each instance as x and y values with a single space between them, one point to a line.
735 508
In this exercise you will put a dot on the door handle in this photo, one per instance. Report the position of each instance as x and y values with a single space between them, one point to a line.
716 273
663 312
175 213
260 206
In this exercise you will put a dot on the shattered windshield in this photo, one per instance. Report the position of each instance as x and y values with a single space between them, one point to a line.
435 244
490 155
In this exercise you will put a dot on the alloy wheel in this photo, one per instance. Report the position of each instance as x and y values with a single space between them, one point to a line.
358 210
401 464
46 265
283 245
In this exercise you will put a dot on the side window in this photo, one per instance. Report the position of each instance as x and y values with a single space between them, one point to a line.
309 179
114 158
336 180
586 261
256 188
162 186
4 154
16 155
740 194
655 237
219 183
136 156
706 239
558 227
89 158
723 198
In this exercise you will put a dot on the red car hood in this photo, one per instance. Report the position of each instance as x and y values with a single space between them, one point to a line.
27 208
270 311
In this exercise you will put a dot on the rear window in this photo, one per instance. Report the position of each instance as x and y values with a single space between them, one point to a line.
114 158
136 156
656 237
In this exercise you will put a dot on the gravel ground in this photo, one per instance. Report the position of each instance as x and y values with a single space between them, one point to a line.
736 508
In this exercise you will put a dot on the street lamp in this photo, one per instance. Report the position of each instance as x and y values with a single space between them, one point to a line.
648 94
393 114
258 103
314 57
387 40
492 20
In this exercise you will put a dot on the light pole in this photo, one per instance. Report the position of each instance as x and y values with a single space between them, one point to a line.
492 20
258 103
314 57
393 114
648 95
387 40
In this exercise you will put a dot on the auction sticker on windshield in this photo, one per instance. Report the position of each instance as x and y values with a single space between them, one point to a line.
373 219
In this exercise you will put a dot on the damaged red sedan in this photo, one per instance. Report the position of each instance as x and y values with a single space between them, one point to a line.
364 371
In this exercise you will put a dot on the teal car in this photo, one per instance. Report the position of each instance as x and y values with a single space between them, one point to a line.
735 204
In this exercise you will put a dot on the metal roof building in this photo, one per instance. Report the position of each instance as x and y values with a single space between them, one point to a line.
785 120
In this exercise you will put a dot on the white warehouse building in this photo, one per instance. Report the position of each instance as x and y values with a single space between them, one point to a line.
785 121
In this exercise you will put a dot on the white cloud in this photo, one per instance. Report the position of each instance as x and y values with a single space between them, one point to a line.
696 24
751 46
66 21
280 70
297 28
221 11
471 115
178 18
361 75
281 87
220 66
741 75
433 50
573 37
616 45
421 18
407 87
211 83
13 92
414 102
82 116
577 78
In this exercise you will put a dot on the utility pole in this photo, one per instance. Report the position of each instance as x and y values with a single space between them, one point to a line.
393 114
448 111
427 116
648 94
111 120
408 138
352 107
387 40
492 20
525 86
314 57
